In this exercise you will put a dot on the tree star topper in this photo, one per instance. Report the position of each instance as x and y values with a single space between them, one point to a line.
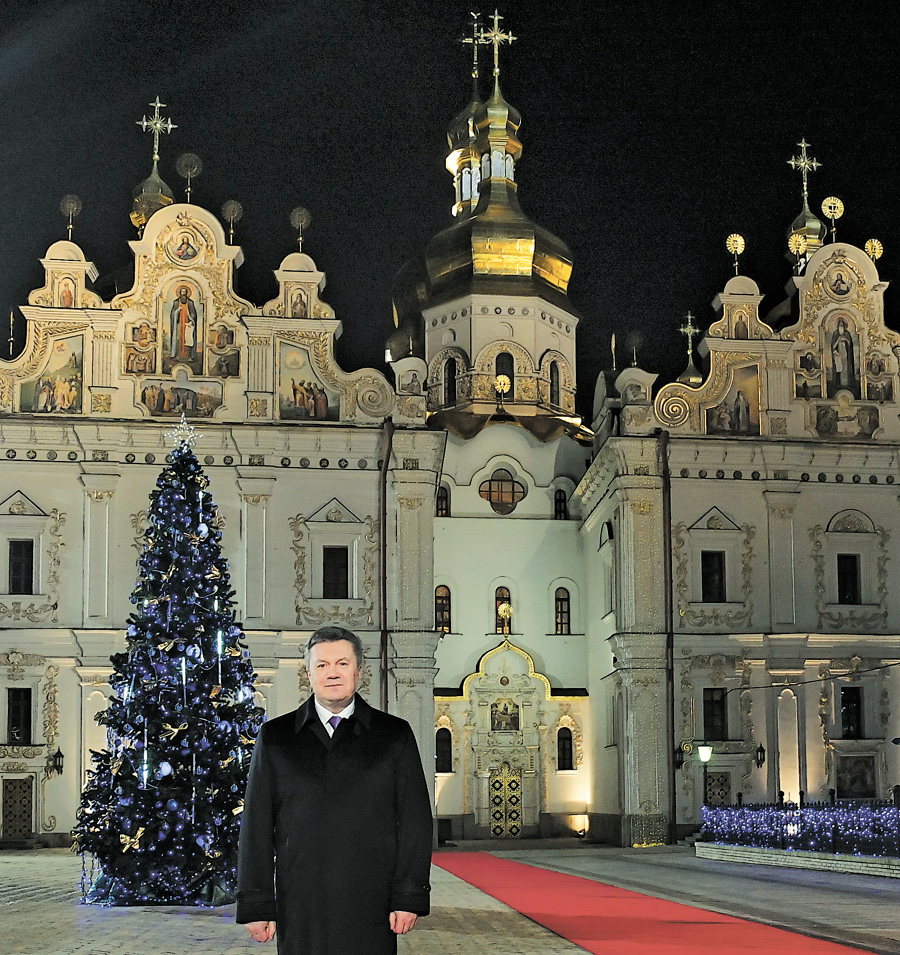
184 434
495 36
157 124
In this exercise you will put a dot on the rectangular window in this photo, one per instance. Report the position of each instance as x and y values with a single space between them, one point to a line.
849 582
21 567
563 612
335 573
715 714
712 576
852 712
18 716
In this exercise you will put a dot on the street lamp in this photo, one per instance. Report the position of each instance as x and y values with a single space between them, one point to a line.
760 756
704 751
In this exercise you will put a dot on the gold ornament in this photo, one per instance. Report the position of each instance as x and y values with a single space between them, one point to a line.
131 842
797 243
735 243
238 809
215 691
170 732
874 249
505 611
502 384
833 207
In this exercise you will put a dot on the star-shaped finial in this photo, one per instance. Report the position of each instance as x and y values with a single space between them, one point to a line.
495 36
157 124
184 434
804 163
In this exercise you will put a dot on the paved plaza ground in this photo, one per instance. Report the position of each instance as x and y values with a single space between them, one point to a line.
40 912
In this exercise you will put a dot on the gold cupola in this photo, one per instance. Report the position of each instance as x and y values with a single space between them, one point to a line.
495 247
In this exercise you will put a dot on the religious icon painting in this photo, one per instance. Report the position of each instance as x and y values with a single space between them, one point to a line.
65 294
806 386
140 361
143 335
842 356
504 716
165 398
880 390
302 396
839 282
740 327
299 306
224 363
182 323
184 247
411 384
58 388
738 412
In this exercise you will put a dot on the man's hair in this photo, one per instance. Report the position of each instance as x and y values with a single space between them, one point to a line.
330 635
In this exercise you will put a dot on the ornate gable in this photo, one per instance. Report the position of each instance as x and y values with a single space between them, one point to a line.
833 374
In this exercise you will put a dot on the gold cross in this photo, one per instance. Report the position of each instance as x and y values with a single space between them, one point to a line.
804 163
474 40
495 37
689 329
158 125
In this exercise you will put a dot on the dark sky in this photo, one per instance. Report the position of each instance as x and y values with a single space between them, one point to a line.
650 130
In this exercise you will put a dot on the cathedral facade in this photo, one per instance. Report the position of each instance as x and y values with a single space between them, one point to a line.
564 610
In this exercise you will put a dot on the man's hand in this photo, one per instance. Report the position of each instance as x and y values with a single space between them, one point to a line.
265 931
401 922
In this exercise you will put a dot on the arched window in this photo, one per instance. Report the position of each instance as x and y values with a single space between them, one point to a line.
560 505
443 751
563 614
502 491
554 383
443 502
501 597
442 609
450 382
504 365
565 751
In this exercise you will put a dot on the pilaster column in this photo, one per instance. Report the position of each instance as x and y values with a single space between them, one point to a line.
255 494
780 506
98 489
412 684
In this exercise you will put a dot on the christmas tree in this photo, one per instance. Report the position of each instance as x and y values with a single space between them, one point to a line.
160 814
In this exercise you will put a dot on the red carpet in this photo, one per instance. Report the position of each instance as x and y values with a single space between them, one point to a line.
610 921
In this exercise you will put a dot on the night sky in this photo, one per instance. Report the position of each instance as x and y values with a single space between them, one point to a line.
650 131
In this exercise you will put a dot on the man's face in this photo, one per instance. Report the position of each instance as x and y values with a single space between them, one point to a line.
334 674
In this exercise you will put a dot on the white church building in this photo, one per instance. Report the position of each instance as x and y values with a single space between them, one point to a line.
563 609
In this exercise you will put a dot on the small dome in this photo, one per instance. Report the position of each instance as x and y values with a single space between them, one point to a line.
149 196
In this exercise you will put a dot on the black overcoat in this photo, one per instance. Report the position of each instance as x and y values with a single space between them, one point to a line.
336 832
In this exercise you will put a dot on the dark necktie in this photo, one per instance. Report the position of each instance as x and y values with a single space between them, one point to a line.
333 722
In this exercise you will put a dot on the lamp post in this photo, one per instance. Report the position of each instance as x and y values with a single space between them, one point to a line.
704 751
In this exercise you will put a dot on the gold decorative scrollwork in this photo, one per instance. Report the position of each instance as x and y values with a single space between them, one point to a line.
672 410
102 404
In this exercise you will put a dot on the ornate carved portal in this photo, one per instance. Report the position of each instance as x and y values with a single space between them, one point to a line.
506 802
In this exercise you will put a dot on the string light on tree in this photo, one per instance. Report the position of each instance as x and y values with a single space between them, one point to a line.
160 814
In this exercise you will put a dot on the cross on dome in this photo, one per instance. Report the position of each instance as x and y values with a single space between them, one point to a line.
157 124
804 163
495 36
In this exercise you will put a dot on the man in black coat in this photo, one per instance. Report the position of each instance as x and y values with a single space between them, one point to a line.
336 834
